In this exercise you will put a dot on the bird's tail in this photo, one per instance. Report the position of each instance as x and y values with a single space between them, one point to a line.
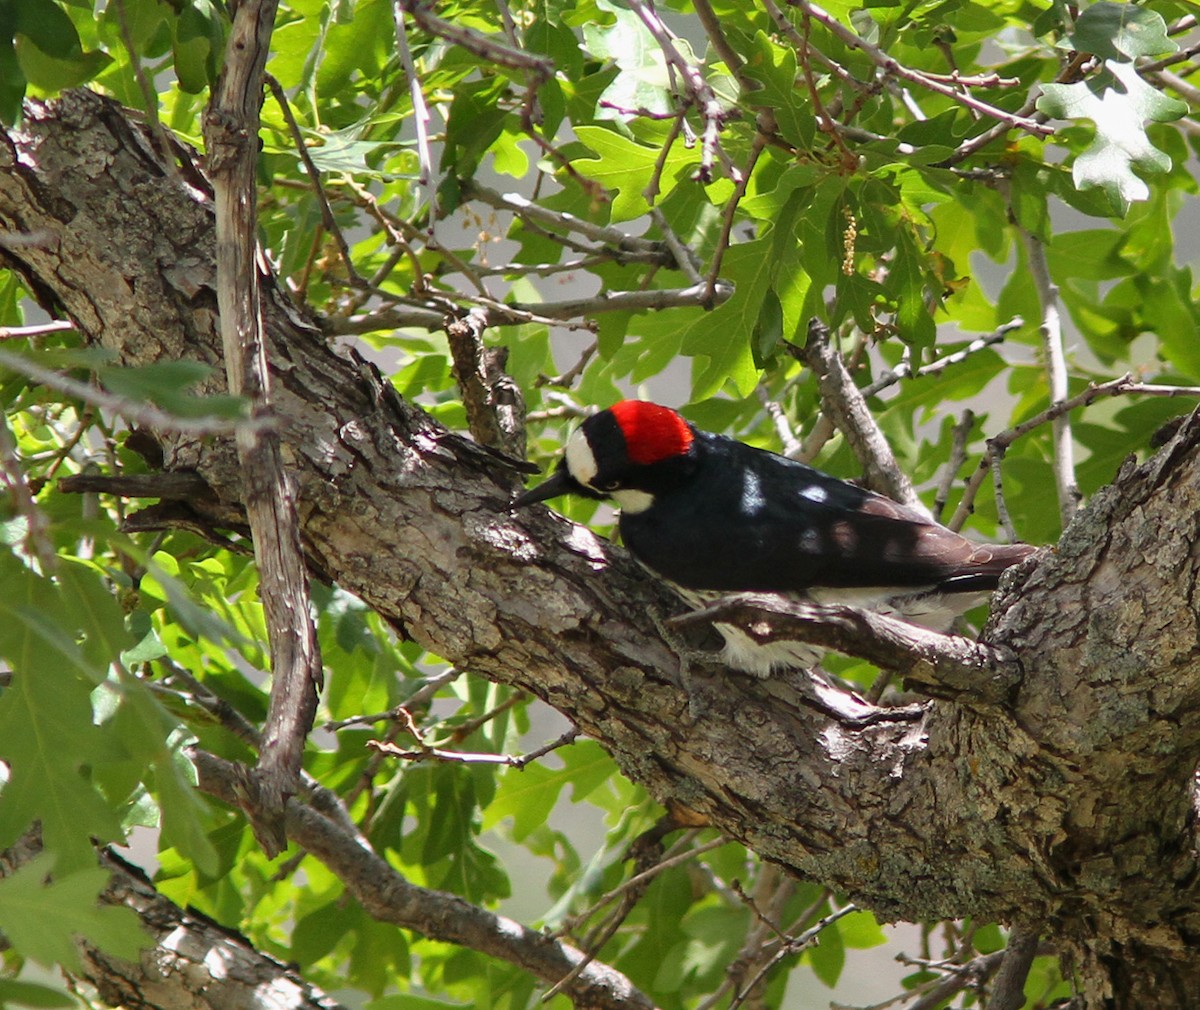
983 569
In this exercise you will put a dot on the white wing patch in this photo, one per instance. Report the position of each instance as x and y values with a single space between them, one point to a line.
752 495
814 492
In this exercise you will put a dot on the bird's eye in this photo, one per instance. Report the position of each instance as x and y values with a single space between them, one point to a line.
608 485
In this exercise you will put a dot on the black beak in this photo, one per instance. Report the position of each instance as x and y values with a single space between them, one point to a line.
558 483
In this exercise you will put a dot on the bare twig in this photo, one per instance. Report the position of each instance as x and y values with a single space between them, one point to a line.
930 82
645 876
904 370
36 329
1164 78
743 180
231 131
484 46
1002 515
793 945
327 217
420 111
468 758
432 317
947 662
974 973
958 456
1056 374
630 893
1122 386
783 430
698 91
559 220
419 697
844 404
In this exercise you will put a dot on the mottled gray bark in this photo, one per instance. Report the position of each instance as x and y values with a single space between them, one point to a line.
1065 805
192 962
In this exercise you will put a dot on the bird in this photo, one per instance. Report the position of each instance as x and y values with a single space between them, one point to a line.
713 515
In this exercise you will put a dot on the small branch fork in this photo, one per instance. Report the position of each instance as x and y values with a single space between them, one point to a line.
494 403
696 89
948 664
998 445
1009 967
424 753
322 827
951 86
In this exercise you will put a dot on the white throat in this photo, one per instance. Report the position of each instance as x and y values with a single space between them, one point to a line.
633 501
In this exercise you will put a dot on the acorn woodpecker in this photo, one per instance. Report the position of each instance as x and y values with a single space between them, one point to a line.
714 515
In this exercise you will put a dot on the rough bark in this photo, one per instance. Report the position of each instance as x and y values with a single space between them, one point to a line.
193 963
1067 806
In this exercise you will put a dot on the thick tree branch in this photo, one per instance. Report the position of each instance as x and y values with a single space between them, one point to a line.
1070 805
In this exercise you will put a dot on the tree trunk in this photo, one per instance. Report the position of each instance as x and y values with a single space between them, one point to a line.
1067 806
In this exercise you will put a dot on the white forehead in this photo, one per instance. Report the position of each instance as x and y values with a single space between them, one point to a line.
581 462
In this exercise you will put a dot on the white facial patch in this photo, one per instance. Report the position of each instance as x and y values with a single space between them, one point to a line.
581 462
633 501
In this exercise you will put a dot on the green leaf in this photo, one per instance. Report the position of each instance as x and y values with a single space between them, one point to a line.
1118 103
860 930
725 335
774 67
48 48
30 994
1121 31
57 73
828 955
166 384
643 80
12 82
41 920
199 45
626 167
92 608
528 794
47 737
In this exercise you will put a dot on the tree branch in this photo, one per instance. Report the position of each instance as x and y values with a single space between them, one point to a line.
176 969
494 404
1069 804
1050 329
954 666
231 131
388 897
844 404
432 317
